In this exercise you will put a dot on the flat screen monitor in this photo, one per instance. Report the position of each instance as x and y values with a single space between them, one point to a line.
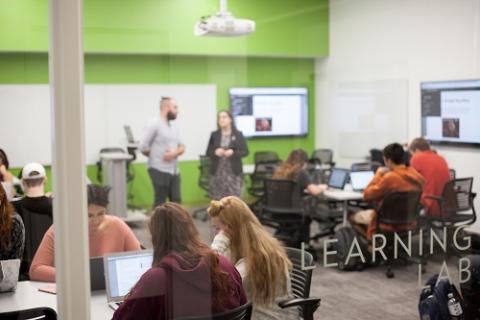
270 112
451 112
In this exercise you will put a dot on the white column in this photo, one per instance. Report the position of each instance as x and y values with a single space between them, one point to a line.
69 172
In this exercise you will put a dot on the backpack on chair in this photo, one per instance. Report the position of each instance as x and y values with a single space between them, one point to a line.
345 237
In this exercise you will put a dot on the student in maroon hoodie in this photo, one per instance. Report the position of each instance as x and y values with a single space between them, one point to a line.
187 278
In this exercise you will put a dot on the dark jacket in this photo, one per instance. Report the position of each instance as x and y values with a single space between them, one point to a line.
237 144
177 288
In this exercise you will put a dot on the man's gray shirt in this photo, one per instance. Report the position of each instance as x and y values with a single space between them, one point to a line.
161 136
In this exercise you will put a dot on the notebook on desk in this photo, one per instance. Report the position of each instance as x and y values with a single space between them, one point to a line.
122 271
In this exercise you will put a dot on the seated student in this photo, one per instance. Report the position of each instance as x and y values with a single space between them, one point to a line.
396 176
6 177
106 233
187 278
434 170
260 259
12 231
35 200
294 169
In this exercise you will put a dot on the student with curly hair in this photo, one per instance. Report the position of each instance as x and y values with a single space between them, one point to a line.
106 234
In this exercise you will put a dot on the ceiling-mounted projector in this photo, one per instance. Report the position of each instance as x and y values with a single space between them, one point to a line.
223 24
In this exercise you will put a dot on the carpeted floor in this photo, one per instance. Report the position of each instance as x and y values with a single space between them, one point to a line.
362 295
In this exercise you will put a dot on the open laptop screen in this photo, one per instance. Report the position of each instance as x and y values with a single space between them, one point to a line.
338 178
360 179
124 270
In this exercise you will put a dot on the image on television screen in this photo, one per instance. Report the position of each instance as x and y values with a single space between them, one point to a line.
450 112
267 112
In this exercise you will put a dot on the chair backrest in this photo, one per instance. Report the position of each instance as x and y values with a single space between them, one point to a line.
241 313
264 170
323 156
204 177
400 208
265 156
377 156
300 278
457 196
43 313
281 195
36 225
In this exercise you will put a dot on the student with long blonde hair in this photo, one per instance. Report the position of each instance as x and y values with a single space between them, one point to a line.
260 259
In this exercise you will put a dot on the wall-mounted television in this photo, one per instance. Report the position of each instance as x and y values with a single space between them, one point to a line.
270 112
451 112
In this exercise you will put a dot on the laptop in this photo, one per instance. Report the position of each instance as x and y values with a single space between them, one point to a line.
122 272
338 179
360 180
9 270
97 274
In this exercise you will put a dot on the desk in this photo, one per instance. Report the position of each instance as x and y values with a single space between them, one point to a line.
343 196
27 296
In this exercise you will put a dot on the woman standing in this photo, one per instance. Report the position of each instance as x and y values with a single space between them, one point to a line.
12 231
226 148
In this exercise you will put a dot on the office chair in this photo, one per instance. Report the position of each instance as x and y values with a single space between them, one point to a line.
36 225
397 208
323 157
376 155
456 208
265 156
301 279
43 313
203 183
241 313
262 171
283 211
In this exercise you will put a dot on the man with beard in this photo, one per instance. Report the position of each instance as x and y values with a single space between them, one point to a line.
162 145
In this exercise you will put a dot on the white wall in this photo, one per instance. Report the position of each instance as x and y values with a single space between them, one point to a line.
412 40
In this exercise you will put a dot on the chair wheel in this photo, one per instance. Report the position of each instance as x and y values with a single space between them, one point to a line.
390 274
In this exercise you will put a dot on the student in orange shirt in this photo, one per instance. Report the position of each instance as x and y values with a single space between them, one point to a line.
434 170
396 176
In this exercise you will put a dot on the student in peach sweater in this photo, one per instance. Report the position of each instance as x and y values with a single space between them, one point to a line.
107 234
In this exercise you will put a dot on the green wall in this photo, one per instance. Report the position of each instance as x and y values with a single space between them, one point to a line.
294 28
225 72
151 41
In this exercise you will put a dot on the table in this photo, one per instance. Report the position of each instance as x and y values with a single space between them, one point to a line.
27 296
343 196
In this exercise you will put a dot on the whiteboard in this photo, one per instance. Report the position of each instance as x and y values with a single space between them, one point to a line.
369 114
26 118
